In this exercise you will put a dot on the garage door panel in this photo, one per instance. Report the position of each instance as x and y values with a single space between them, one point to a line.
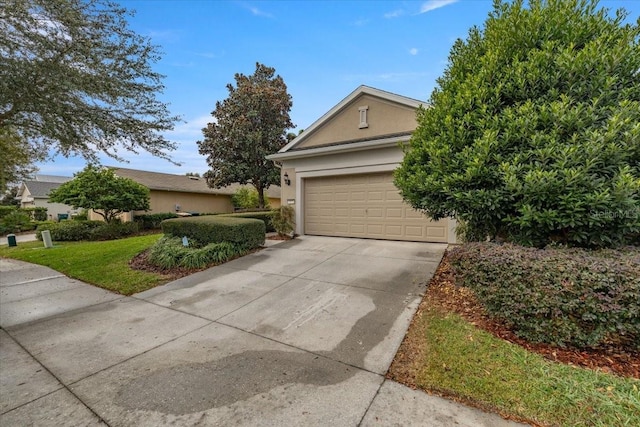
366 205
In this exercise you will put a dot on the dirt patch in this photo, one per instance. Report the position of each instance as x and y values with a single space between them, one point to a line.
443 294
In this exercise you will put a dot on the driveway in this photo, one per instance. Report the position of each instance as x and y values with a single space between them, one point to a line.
299 333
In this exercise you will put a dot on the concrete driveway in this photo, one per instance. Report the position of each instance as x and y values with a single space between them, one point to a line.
299 333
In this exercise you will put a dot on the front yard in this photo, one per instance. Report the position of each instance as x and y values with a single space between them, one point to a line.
447 353
104 264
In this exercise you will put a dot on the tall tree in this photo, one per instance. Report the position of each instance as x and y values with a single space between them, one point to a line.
533 131
100 189
76 79
250 124
18 157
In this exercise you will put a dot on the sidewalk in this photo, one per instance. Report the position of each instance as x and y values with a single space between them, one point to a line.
19 238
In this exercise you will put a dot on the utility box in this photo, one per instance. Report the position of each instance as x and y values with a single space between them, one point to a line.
46 239
11 239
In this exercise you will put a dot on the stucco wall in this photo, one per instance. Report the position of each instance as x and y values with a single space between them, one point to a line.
166 201
383 118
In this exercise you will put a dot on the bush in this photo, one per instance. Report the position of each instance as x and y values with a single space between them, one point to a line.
16 221
72 231
169 253
264 216
283 220
565 297
245 198
6 210
114 230
83 215
245 232
532 132
36 213
152 221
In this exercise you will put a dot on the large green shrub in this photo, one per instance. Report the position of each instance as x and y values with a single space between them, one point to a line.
566 297
245 232
87 230
6 210
532 133
169 253
283 220
16 221
265 216
152 221
245 198
36 213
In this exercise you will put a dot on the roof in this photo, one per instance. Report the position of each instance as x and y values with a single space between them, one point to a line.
38 189
52 178
361 90
182 183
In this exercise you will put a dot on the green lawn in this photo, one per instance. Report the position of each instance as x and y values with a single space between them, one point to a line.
104 264
458 359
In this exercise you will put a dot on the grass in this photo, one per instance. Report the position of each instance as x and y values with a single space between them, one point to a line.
457 359
104 264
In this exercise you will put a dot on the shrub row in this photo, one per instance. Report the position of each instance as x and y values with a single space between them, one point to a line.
565 297
264 216
169 253
244 232
152 221
87 230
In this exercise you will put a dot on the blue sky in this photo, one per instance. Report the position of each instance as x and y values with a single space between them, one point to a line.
322 49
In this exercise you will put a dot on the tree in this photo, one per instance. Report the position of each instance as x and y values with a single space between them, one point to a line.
17 158
75 78
533 131
250 124
101 190
9 197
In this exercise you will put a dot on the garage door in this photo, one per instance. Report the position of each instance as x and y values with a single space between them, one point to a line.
366 205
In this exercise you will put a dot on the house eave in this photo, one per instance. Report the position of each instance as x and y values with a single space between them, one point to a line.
338 149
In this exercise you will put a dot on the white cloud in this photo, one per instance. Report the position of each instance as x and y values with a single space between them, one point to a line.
394 14
257 12
413 51
361 22
430 5
191 130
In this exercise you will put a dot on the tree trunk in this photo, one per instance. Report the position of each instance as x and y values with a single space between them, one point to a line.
260 189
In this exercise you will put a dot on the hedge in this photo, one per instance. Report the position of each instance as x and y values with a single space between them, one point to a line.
264 216
202 230
564 297
152 221
86 230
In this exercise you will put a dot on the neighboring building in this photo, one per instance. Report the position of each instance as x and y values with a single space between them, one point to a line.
339 172
180 193
35 193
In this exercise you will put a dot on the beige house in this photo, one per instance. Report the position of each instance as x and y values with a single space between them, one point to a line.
35 194
338 174
186 194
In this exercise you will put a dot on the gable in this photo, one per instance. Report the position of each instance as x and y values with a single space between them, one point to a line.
384 118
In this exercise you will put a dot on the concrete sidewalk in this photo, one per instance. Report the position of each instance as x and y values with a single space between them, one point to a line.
300 333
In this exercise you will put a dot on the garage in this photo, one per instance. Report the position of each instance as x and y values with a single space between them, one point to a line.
337 175
366 206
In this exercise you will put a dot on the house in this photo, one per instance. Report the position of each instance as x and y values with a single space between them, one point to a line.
338 174
180 193
35 194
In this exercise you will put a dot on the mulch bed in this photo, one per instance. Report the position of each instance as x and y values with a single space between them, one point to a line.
444 293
